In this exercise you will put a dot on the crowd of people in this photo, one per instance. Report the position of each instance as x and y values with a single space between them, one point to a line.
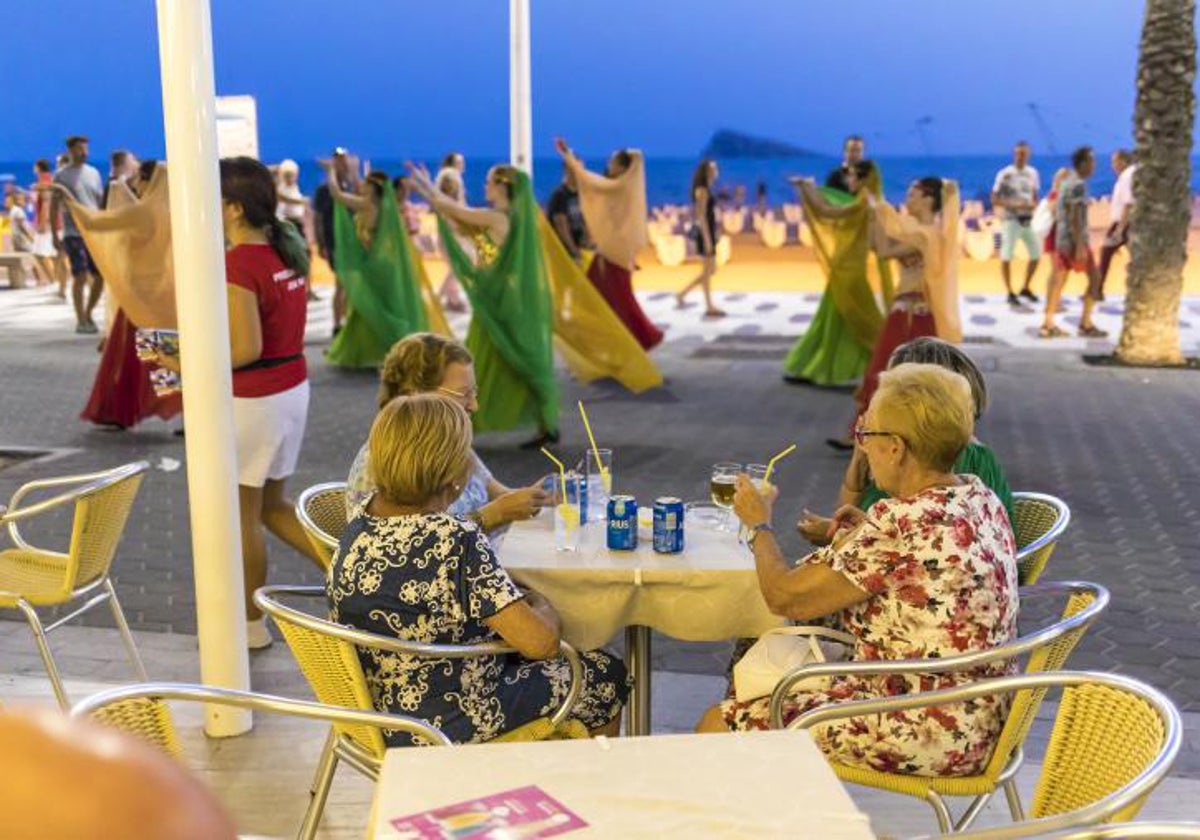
917 559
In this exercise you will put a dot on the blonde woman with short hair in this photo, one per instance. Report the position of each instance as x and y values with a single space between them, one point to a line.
929 572
425 363
408 568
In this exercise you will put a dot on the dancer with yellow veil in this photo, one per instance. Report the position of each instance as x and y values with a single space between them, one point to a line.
836 347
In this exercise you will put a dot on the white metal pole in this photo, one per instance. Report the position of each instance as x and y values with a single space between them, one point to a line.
520 94
185 57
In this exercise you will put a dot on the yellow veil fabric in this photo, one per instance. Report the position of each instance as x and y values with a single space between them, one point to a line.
433 307
615 209
130 242
939 250
592 340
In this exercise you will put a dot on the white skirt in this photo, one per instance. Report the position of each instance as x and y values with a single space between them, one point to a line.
269 433
43 245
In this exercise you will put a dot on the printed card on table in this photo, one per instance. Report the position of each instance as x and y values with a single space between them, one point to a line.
526 812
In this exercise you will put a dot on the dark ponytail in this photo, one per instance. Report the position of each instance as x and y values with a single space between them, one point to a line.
932 186
246 182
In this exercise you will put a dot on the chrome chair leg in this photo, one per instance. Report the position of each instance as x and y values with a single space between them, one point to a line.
326 767
1014 800
945 823
43 643
126 636
972 813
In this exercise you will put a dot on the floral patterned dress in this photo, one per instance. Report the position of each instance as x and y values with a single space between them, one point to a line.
433 578
940 571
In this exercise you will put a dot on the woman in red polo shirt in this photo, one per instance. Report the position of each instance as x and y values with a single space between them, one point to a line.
266 268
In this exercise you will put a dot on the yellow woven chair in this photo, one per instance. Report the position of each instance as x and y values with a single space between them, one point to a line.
1040 521
141 710
33 577
327 654
1044 650
1114 740
321 510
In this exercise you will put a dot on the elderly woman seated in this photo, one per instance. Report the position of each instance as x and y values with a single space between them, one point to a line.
427 363
928 572
408 568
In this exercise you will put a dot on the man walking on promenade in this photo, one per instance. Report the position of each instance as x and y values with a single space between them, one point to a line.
1014 196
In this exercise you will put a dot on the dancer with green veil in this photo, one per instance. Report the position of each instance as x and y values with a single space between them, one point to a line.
511 332
836 348
377 264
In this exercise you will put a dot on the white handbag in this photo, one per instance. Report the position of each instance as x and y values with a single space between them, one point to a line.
784 649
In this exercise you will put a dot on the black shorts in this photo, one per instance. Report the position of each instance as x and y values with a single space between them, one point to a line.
77 254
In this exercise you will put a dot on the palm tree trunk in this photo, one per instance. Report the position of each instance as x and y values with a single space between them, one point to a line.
1164 117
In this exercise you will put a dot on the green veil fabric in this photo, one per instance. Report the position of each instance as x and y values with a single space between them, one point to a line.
837 346
382 287
511 332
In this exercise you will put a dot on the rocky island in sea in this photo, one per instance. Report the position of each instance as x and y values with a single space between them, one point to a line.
734 144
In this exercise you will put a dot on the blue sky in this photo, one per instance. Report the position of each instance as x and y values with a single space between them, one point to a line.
406 77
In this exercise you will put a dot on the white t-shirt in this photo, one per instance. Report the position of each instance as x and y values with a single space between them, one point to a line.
1017 185
17 229
286 210
1122 194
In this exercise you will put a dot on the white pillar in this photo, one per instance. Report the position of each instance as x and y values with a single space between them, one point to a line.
520 95
185 57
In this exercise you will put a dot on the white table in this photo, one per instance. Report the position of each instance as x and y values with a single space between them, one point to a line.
751 784
708 593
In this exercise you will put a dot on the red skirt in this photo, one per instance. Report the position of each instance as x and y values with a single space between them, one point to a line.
615 284
122 393
909 318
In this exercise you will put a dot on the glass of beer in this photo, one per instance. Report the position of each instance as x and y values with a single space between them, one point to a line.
721 487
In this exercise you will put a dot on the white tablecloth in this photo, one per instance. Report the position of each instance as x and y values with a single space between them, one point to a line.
708 593
752 784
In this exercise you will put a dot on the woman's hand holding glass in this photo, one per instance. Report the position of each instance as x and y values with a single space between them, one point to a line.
524 503
752 502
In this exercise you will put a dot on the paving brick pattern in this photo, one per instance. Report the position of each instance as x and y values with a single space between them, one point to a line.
1121 446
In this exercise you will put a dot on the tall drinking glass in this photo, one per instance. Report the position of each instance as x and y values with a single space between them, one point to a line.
600 482
757 473
721 487
567 522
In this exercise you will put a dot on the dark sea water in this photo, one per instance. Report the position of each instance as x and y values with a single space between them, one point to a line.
668 179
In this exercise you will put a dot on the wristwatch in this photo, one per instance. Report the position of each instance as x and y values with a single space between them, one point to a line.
756 530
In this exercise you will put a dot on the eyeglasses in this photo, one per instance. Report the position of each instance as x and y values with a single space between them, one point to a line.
466 396
861 434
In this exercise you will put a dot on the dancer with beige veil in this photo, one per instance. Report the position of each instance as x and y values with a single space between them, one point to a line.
924 241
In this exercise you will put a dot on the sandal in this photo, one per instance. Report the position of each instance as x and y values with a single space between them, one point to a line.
1092 331
715 313
1052 332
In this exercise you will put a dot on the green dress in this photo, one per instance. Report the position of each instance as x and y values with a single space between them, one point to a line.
976 460
511 332
837 346
382 284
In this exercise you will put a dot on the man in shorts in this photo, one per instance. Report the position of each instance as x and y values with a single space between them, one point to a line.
85 185
1014 197
1072 251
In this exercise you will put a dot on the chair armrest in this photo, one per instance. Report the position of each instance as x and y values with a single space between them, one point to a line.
951 664
261 702
266 598
86 483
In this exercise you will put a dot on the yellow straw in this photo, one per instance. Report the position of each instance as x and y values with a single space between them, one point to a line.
562 472
592 438
771 463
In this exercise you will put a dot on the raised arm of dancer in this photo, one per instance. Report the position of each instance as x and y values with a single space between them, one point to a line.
353 202
808 191
883 244
493 221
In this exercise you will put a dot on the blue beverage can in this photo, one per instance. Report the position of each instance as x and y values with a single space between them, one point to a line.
668 525
622 523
